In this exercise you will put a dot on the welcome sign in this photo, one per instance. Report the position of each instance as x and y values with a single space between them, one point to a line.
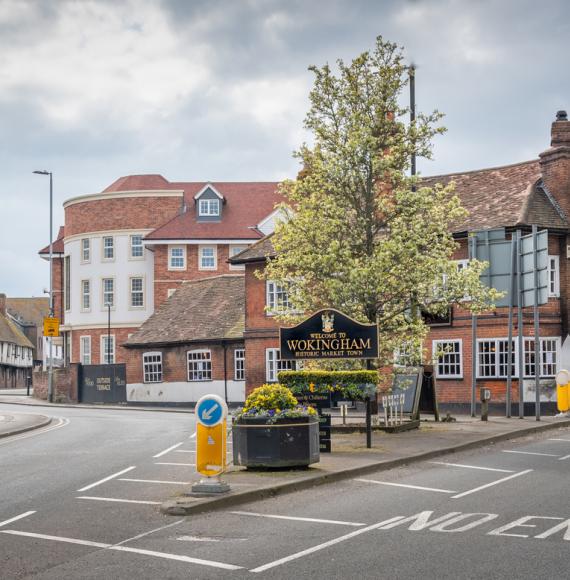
329 334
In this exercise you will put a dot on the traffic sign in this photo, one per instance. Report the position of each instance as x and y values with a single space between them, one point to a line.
211 410
211 449
51 327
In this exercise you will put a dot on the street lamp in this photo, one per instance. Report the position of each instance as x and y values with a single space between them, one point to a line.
50 365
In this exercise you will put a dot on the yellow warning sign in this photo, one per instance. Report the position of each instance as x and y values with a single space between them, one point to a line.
211 449
51 327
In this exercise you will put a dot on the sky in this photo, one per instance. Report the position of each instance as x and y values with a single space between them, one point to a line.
217 90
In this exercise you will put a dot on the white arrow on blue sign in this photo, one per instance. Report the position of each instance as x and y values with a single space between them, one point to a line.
211 410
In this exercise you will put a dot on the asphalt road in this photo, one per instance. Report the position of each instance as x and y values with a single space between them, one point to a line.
499 512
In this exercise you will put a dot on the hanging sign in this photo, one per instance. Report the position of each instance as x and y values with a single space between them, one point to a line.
329 334
51 327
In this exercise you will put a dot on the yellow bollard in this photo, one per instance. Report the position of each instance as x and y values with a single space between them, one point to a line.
562 390
211 449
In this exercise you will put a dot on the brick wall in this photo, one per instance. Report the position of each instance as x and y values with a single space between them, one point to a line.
164 279
117 214
122 355
65 384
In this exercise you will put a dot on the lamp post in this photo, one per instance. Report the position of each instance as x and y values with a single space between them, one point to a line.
50 365
108 354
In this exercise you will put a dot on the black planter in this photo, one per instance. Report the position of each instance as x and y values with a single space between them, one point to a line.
285 443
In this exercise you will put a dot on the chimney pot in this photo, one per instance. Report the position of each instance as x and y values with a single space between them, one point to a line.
561 116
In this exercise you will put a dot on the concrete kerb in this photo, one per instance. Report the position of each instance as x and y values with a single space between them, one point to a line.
46 421
187 506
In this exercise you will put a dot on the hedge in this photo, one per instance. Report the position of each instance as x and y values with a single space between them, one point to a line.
355 385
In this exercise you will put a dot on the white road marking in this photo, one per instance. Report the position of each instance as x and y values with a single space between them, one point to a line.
419 487
139 536
118 500
530 453
154 481
185 464
185 451
24 515
476 489
61 422
120 548
563 458
205 539
91 485
187 559
56 539
167 450
193 435
566 440
324 545
297 519
472 466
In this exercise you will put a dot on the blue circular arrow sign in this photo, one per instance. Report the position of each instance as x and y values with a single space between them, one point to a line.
211 410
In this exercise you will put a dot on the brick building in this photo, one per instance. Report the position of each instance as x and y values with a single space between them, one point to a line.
513 197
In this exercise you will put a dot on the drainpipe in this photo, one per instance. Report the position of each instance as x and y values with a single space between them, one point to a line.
224 344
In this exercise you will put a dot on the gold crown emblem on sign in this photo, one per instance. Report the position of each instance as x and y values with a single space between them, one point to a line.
328 321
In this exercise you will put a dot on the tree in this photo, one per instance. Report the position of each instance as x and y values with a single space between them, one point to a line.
363 236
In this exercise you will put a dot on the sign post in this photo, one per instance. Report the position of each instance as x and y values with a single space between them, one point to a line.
211 435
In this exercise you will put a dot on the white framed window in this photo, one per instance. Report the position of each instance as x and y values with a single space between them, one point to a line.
274 364
492 358
553 276
136 246
108 248
177 257
170 292
108 288
85 295
207 258
549 356
107 349
199 365
234 250
239 364
85 349
152 367
448 356
277 299
85 250
137 292
209 207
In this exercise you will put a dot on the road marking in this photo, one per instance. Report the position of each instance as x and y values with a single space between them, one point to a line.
120 548
205 539
61 422
148 533
56 539
155 481
476 489
185 451
297 519
419 487
530 453
566 440
177 557
473 466
563 458
185 464
91 485
24 515
118 500
324 545
167 450
193 435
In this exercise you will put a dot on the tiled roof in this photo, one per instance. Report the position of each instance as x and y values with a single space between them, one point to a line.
502 197
200 310
28 310
9 332
138 183
246 204
57 245
259 251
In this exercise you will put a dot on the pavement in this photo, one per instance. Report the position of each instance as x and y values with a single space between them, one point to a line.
16 423
349 458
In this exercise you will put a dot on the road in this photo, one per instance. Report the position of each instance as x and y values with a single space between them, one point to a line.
500 512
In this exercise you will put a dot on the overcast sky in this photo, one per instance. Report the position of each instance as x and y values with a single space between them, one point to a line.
217 90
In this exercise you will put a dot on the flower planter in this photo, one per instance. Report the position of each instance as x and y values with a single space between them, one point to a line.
289 442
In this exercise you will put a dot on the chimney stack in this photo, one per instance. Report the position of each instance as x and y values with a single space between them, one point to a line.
2 304
555 162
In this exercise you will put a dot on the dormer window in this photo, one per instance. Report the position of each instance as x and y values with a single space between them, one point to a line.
209 207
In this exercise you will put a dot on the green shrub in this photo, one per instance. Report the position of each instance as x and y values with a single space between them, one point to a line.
354 385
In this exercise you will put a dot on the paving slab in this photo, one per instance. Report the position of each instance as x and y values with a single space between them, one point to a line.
351 458
16 423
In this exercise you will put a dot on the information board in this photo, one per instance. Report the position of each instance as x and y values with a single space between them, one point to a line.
103 384
410 385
